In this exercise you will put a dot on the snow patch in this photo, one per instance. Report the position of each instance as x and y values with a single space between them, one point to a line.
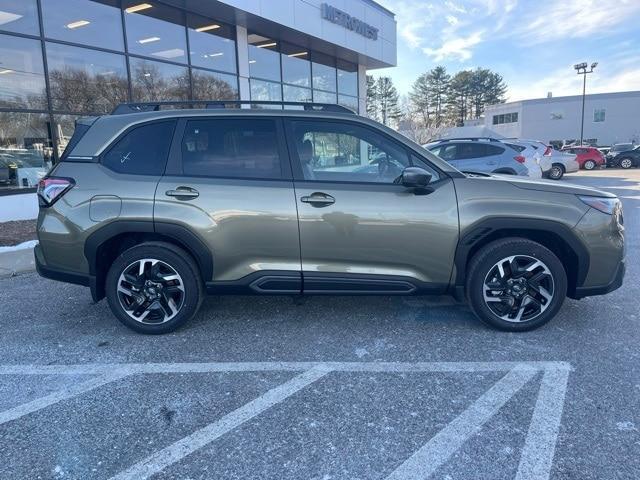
21 246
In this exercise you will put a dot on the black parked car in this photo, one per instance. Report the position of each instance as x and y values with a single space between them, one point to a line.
626 159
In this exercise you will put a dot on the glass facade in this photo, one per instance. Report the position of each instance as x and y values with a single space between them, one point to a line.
63 59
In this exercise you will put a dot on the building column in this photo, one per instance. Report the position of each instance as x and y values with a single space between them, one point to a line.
362 89
242 49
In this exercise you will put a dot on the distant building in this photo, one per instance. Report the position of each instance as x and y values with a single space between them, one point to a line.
608 118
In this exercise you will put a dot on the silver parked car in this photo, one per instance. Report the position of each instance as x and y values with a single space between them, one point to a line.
554 163
485 155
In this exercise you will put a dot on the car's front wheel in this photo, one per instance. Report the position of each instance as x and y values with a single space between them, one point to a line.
626 163
589 165
154 287
556 172
516 284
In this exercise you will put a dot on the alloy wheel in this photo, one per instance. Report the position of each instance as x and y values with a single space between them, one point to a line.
518 288
556 173
151 291
625 163
589 165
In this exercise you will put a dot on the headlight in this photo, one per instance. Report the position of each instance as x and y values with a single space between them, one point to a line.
604 204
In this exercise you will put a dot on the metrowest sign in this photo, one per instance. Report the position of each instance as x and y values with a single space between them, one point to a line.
345 20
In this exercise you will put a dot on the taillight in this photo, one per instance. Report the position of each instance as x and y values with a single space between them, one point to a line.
50 189
519 159
547 152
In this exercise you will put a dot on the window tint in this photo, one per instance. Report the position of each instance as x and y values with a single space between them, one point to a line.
495 150
517 148
470 150
343 152
244 148
142 151
447 152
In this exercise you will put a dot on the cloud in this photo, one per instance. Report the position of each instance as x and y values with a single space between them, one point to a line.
452 20
456 48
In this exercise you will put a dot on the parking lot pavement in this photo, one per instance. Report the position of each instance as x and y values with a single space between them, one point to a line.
335 387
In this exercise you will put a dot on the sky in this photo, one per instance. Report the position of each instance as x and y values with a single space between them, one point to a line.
533 44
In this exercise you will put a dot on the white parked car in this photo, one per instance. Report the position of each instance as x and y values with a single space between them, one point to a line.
554 163
531 151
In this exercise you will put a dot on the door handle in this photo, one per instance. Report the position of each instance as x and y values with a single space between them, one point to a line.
318 199
183 193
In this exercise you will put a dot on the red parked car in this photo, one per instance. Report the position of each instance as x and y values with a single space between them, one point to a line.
587 157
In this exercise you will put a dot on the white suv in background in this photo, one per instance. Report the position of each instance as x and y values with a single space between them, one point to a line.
554 163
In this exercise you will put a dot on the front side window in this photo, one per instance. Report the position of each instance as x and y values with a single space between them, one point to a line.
142 151
343 152
235 148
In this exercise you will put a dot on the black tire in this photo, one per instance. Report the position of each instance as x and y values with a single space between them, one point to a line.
483 263
589 165
626 163
169 256
557 171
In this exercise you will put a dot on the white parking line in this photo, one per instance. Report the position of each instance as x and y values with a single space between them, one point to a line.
537 455
176 452
55 397
536 459
447 441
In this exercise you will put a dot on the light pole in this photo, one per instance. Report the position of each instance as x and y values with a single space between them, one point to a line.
581 69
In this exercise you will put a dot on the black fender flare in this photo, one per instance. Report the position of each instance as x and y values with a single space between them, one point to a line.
182 235
480 230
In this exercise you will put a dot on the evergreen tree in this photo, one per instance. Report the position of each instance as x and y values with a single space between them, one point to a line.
387 100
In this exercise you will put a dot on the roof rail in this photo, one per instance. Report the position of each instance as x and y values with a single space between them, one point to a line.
138 107
490 139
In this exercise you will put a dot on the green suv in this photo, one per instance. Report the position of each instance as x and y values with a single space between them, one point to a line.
153 207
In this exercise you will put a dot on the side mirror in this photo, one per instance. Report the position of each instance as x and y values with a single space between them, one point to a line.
415 177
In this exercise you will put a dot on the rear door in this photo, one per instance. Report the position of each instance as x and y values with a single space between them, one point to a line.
473 157
360 231
228 181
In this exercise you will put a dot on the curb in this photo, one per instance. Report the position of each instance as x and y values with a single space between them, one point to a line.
17 261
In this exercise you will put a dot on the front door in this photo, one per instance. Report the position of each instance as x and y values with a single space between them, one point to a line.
360 231
229 182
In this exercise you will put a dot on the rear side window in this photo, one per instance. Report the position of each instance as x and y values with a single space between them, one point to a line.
142 151
471 150
78 133
237 148
495 150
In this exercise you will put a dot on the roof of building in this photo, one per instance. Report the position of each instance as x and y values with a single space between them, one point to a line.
592 96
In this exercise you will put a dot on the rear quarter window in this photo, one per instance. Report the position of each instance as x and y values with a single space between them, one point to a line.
142 150
494 150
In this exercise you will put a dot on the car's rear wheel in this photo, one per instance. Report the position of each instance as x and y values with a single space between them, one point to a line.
154 287
589 165
626 163
556 172
516 284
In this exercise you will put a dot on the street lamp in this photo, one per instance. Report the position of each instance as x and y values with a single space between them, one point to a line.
581 69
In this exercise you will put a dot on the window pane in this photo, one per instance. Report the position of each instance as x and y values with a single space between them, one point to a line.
268 91
25 149
156 81
349 102
211 44
63 128
19 16
296 68
155 31
343 152
264 59
231 148
324 97
214 86
21 73
80 21
296 94
142 151
324 73
347 78
84 80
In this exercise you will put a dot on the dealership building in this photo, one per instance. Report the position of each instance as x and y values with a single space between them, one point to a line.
63 59
608 118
